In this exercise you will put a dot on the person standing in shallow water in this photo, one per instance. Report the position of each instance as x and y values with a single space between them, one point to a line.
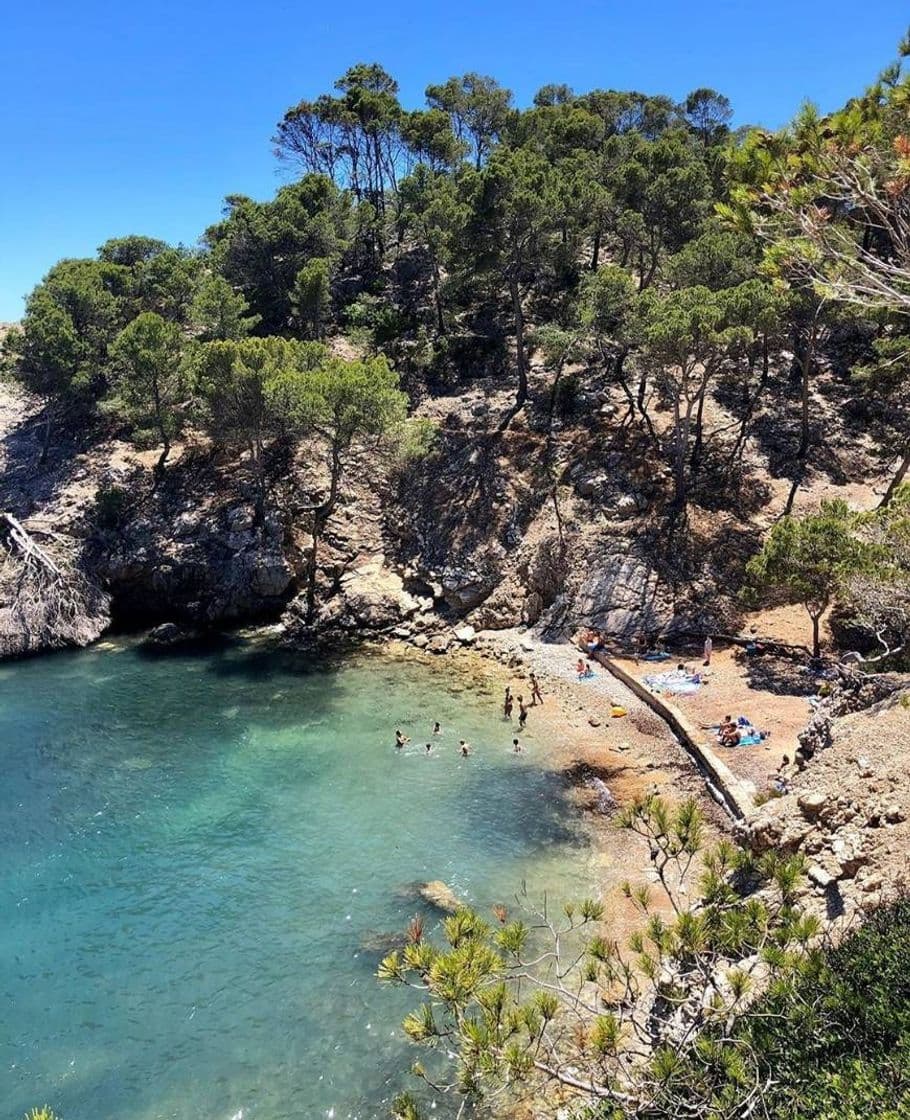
536 694
507 704
522 713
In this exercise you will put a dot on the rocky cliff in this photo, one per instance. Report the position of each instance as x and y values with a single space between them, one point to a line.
492 528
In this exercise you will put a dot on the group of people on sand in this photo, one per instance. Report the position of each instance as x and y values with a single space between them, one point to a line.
584 669
508 704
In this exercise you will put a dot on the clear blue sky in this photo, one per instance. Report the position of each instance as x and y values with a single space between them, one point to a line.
119 116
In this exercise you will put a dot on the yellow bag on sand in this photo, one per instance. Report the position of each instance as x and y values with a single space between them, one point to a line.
616 711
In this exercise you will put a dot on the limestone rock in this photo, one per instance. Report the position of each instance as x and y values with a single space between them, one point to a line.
812 803
440 895
621 596
819 876
167 634
464 590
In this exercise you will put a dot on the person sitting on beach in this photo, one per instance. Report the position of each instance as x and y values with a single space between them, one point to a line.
464 748
522 712
580 667
585 670
728 733
516 746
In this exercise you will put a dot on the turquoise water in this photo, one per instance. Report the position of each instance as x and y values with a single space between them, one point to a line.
197 852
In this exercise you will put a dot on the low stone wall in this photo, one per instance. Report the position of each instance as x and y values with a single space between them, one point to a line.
737 796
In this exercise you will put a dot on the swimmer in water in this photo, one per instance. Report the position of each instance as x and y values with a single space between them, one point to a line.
437 730
465 749
429 747
400 739
516 746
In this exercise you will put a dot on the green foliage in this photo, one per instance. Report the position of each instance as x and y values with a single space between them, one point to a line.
146 361
218 313
311 298
371 321
478 107
835 1033
558 999
419 439
260 247
70 320
244 384
111 507
808 559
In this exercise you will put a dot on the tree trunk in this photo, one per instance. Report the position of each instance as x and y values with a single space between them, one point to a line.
750 405
520 355
595 253
437 299
698 445
46 439
162 458
807 359
259 471
816 640
680 443
897 480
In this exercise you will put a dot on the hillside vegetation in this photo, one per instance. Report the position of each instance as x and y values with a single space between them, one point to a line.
626 336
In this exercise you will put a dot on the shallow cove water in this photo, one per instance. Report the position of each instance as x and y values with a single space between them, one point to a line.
198 851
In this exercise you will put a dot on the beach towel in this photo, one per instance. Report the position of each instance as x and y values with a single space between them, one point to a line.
656 655
752 739
680 684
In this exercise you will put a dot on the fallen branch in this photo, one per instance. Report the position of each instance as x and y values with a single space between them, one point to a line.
19 537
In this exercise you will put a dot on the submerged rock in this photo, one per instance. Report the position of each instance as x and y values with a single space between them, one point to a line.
440 895
166 635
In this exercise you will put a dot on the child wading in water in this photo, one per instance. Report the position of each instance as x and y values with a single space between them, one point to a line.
522 713
536 694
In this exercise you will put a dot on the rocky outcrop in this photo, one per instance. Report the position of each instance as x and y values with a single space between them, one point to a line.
622 596
440 895
848 807
211 565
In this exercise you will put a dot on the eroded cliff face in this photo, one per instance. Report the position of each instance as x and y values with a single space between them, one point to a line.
540 524
848 805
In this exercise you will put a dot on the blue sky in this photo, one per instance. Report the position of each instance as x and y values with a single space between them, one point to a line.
124 117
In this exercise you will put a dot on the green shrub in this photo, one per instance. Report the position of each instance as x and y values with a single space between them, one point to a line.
111 507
